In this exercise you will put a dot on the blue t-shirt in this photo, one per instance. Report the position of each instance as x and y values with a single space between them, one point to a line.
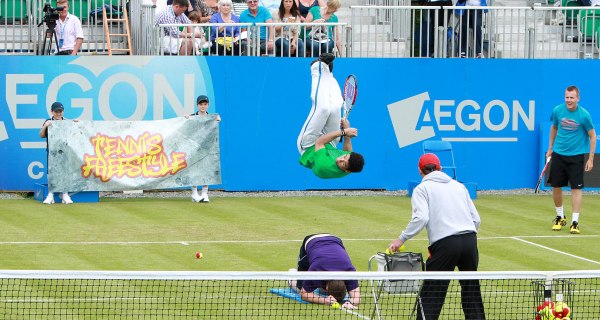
261 16
573 126
327 254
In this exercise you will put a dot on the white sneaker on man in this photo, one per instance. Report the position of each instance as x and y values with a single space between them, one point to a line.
196 197
66 199
49 199
204 198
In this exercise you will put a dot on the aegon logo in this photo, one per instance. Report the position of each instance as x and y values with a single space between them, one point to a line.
465 120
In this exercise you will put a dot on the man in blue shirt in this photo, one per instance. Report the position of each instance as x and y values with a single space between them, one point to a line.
259 14
571 132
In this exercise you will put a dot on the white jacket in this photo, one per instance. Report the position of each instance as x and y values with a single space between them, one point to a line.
443 205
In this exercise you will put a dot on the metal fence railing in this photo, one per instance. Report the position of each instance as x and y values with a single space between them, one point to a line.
308 39
385 28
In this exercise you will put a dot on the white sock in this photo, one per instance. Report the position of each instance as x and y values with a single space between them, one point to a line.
65 194
204 190
50 194
575 216
194 190
560 212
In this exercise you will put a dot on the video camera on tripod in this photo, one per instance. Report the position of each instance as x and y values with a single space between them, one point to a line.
50 15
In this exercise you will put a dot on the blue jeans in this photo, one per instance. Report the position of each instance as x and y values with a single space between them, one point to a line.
282 48
316 47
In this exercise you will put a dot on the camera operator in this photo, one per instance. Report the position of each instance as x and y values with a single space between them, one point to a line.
68 31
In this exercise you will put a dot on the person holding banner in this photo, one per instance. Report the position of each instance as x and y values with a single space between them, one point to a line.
322 131
571 133
57 109
202 102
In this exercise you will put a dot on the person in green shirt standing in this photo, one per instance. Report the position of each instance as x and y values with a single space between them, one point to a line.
324 127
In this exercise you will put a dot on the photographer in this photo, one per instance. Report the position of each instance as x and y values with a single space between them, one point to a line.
68 30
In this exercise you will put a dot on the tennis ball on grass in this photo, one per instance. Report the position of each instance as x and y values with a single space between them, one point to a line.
199 255
335 305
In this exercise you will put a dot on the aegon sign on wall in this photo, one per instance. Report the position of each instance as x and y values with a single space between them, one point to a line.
419 118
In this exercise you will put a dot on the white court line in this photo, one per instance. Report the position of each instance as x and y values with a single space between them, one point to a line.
557 251
190 242
354 313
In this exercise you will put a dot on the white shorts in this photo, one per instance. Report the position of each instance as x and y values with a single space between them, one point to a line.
171 44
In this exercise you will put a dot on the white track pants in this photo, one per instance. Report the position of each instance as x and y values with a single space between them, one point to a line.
326 110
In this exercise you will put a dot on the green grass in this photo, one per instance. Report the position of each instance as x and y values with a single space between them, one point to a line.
264 234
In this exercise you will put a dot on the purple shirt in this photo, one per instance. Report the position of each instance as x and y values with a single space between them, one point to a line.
327 254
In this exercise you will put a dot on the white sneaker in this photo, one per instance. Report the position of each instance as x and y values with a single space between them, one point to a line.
66 199
481 56
204 198
196 197
49 199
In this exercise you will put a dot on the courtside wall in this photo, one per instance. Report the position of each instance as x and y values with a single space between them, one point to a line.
491 111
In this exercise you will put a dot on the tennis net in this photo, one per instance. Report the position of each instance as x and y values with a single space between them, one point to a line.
265 295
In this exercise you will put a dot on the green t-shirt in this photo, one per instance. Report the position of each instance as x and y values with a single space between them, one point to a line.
322 162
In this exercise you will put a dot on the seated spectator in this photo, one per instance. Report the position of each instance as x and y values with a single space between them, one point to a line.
320 39
175 41
225 39
206 8
287 42
326 252
471 19
259 14
200 42
305 5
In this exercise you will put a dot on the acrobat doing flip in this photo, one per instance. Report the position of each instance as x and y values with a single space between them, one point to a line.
324 127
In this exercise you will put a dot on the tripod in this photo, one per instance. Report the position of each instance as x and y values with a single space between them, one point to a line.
49 36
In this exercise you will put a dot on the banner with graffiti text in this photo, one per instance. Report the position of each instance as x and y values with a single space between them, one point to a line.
133 155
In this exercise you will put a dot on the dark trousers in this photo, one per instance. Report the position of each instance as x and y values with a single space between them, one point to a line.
471 19
303 263
429 26
445 255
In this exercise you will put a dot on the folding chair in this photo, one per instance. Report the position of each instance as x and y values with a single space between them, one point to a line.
402 261
442 149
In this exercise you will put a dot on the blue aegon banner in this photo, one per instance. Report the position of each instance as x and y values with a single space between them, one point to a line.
489 109
133 155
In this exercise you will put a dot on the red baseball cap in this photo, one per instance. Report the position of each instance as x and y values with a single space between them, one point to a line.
429 158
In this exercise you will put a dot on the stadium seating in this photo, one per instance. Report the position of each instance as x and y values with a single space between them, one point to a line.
13 9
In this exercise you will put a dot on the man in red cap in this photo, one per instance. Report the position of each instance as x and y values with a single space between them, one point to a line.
443 206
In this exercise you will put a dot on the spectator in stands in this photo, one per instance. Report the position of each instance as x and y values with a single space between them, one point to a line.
443 206
175 41
320 38
321 131
571 134
225 39
192 4
259 14
198 33
326 252
57 109
202 103
287 42
429 25
471 19
305 5
68 31
206 8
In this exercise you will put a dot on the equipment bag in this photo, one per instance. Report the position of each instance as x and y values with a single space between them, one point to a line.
401 261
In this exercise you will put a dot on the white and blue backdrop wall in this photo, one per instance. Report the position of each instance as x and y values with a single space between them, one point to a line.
491 110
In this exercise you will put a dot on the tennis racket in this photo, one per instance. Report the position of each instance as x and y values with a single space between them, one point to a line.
539 182
350 93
